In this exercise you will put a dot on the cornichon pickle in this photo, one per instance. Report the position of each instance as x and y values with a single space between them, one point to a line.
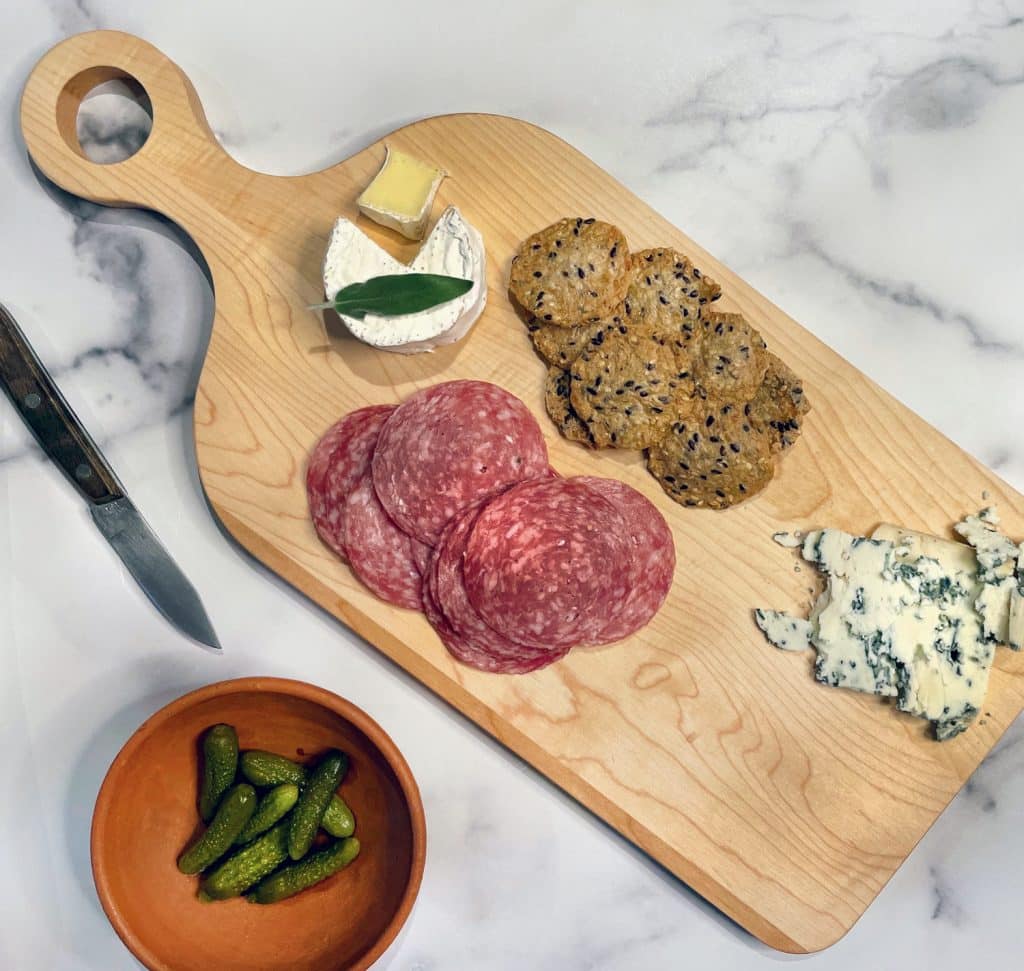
309 811
249 865
220 763
299 876
235 810
338 819
272 807
267 769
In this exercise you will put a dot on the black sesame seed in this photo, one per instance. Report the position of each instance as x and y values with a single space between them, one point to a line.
709 421
537 274
580 273
734 447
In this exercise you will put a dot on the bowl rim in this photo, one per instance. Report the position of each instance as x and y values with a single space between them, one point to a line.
297 689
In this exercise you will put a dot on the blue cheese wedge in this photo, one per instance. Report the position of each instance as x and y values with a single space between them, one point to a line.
785 632
1015 624
453 248
897 619
997 574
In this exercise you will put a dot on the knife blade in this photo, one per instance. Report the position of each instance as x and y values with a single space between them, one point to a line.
65 441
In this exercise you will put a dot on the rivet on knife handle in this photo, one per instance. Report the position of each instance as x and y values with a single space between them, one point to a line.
56 427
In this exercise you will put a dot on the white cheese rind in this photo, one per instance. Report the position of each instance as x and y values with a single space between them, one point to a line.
454 248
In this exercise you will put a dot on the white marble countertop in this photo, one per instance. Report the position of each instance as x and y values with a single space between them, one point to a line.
860 163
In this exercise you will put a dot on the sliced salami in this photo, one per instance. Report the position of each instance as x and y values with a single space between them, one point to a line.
654 558
545 561
380 553
340 459
467 626
421 555
449 445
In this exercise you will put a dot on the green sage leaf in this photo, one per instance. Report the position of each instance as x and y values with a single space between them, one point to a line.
397 294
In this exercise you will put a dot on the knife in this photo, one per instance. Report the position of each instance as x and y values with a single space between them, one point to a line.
66 442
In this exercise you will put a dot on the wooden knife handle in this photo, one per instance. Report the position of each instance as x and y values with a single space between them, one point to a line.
56 427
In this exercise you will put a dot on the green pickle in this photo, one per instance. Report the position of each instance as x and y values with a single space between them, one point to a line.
301 876
267 769
248 866
275 805
234 811
338 819
220 763
309 812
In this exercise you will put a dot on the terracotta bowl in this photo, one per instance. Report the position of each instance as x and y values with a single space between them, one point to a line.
146 813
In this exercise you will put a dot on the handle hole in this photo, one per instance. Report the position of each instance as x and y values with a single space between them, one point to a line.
105 115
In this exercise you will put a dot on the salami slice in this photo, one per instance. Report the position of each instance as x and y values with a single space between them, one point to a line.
339 460
654 558
451 444
544 563
449 590
380 553
421 555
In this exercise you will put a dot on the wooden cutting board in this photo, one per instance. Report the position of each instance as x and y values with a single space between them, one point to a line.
786 804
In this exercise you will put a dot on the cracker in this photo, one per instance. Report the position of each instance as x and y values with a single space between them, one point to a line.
562 345
668 290
714 459
732 358
573 272
779 404
625 390
560 409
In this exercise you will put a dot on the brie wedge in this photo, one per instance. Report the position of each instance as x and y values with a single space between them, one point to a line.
401 194
453 248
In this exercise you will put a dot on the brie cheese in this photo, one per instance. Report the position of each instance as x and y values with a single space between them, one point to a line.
454 248
401 194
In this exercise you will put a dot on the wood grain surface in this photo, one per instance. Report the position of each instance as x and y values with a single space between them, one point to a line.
785 803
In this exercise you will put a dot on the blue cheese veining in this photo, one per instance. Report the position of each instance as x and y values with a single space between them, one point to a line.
898 618
997 574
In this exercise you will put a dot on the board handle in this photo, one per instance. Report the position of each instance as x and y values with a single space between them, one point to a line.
179 142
